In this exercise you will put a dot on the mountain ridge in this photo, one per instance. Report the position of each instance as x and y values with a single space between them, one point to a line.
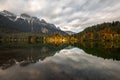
27 23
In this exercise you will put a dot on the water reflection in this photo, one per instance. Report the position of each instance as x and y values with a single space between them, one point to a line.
24 61
67 64
17 54
106 50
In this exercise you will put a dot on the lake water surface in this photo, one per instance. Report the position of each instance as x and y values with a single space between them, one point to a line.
88 61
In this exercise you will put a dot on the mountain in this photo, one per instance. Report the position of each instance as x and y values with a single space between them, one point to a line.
70 32
10 22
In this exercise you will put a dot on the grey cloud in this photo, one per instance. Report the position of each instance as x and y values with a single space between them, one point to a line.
63 12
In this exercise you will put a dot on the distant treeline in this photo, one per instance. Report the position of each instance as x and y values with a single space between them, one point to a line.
107 31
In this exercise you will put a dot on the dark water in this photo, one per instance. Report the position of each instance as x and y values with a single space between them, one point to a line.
80 61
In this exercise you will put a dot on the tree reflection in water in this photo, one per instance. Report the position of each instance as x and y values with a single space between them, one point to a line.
49 62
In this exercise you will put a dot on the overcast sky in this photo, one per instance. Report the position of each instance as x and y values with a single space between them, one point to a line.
73 15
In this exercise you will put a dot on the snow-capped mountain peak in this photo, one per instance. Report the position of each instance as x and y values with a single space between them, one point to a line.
43 21
27 23
25 16
7 13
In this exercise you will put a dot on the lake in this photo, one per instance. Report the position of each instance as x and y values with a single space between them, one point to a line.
78 61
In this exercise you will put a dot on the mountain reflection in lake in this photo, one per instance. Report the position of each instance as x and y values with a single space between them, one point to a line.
48 62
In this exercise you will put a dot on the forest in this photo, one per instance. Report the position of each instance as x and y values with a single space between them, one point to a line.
107 31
